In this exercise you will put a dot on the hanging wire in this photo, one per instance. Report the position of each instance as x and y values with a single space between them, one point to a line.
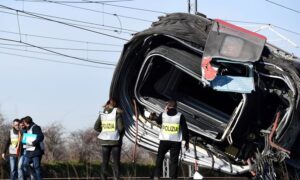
19 26
119 22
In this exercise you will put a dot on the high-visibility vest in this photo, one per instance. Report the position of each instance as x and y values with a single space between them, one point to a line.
109 126
170 128
30 147
14 139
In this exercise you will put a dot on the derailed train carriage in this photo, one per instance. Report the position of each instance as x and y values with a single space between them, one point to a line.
239 94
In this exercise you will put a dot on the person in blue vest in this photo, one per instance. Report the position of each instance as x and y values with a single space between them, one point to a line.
12 146
110 125
173 130
34 148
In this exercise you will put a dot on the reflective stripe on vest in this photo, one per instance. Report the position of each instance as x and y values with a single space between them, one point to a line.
13 142
109 126
170 129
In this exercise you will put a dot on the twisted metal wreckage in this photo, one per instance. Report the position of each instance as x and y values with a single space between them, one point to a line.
239 94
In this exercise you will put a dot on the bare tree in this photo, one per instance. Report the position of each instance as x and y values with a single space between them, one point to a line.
5 127
84 145
55 145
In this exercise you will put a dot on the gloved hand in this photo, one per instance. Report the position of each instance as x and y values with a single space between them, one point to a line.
3 156
187 146
29 142
153 116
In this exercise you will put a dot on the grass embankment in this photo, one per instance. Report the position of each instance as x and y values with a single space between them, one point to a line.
76 169
65 169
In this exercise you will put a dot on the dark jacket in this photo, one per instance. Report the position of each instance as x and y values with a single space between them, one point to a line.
7 143
183 125
21 146
120 128
40 137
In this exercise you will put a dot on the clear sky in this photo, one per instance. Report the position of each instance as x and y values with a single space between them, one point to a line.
32 84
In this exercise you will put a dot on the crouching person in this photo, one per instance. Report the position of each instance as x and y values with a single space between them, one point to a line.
111 127
34 148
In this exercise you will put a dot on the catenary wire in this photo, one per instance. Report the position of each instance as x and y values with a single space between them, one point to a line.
65 48
260 23
134 31
62 39
127 7
64 23
285 7
73 20
79 2
96 11
37 52
62 54
55 61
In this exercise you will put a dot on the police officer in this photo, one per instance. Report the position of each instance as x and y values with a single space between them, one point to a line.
111 127
13 146
34 148
173 131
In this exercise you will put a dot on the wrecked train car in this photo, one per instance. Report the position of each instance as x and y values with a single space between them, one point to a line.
239 94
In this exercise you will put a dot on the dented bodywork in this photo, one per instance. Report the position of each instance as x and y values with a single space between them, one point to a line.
240 95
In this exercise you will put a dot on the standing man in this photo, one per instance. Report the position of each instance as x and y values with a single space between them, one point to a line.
173 130
111 127
22 130
34 148
12 147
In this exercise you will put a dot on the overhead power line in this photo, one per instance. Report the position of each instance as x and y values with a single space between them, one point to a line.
246 22
287 30
62 39
31 51
96 11
260 23
55 61
285 7
130 31
66 48
98 2
58 53
64 23
126 7
80 2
